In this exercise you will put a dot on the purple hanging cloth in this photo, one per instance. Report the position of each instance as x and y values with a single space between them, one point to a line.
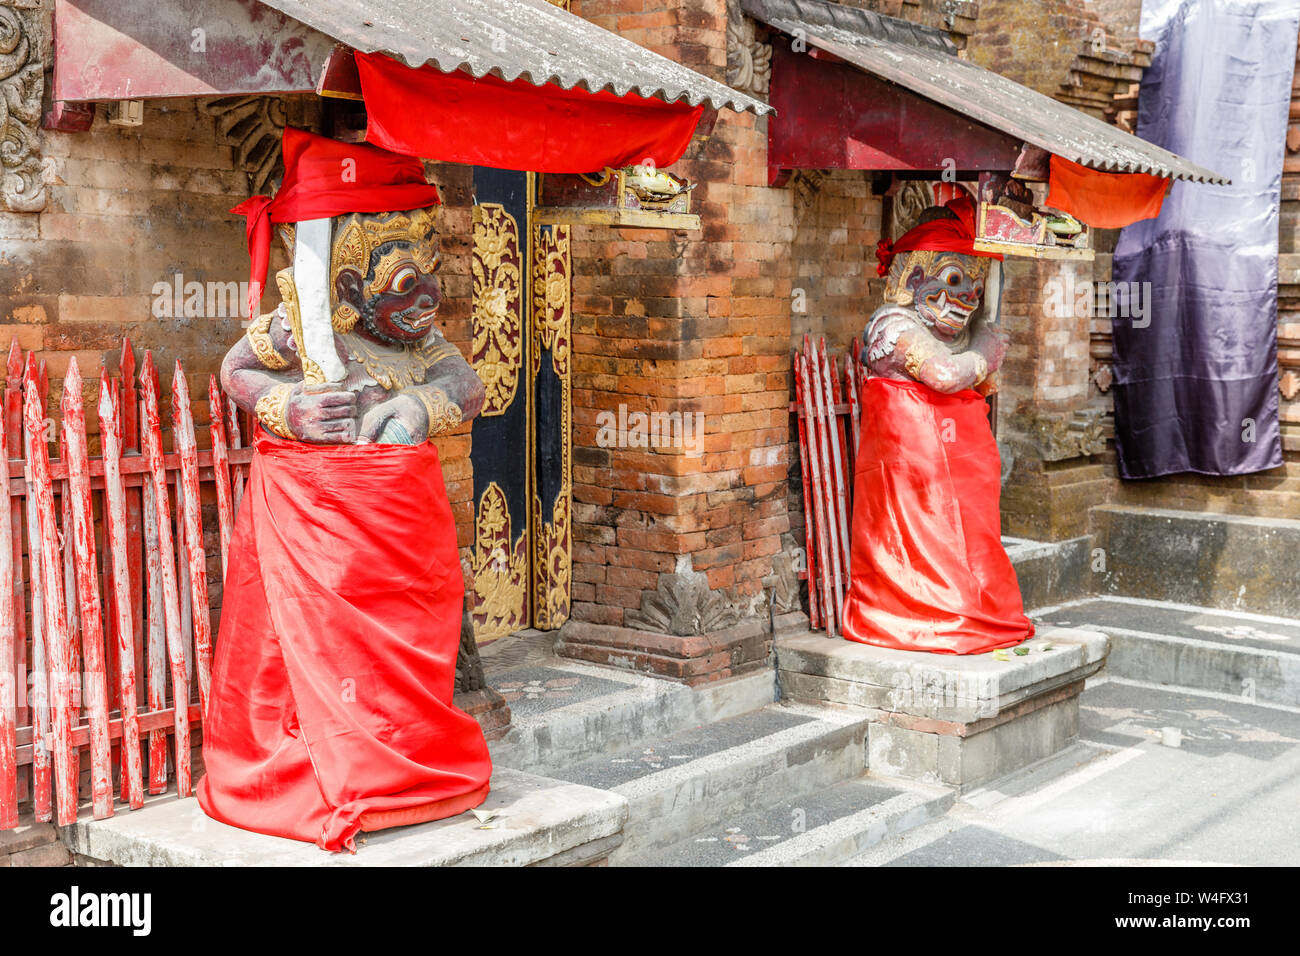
1196 353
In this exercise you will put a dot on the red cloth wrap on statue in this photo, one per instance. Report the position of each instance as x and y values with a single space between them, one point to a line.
928 570
322 178
336 661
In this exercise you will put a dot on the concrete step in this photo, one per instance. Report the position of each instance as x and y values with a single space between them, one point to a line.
1229 562
538 822
564 712
681 783
817 829
1252 656
1050 572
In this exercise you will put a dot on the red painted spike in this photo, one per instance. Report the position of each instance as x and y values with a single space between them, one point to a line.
30 372
115 543
43 374
151 433
15 362
220 469
8 644
79 547
147 371
126 364
189 514
59 658
71 386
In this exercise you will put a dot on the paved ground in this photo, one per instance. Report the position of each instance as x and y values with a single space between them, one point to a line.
1228 794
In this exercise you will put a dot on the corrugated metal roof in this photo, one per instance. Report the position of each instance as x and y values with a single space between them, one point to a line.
510 39
923 60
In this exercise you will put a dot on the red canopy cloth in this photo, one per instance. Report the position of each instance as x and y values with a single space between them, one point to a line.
335 664
324 177
944 235
1103 200
456 118
927 568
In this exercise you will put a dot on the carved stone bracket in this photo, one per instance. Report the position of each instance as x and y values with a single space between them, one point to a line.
749 61
22 83
782 585
253 125
1056 436
683 604
806 183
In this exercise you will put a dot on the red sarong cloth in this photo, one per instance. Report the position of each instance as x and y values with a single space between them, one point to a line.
928 570
336 661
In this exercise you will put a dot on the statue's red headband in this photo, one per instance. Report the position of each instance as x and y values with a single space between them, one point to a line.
323 177
945 235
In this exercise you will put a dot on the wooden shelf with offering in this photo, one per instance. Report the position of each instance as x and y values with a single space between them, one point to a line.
637 196
1012 221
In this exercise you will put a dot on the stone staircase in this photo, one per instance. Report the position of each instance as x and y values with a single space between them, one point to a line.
1252 656
706 777
1199 601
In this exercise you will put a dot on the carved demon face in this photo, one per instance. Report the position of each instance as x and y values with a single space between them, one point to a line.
397 298
947 291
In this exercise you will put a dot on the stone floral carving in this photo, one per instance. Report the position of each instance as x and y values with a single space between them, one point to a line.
682 604
782 585
252 125
749 61
22 83
1057 437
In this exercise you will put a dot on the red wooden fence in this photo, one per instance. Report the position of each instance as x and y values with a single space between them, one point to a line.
827 405
108 633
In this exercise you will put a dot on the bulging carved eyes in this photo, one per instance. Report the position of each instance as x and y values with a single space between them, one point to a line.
403 280
952 275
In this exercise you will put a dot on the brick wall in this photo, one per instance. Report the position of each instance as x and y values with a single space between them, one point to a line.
704 322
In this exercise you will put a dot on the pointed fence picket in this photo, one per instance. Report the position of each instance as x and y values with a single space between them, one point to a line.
103 656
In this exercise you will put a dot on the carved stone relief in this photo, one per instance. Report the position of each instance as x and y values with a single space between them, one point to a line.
682 604
749 61
22 83
252 125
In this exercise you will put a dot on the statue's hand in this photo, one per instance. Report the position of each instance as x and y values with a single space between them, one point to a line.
992 343
408 411
325 416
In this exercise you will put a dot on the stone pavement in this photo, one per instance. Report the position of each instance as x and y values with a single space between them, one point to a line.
1226 795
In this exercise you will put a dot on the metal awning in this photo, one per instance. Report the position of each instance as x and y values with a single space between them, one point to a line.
511 39
924 61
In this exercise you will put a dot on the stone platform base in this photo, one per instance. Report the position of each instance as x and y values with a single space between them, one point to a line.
691 658
955 720
487 707
538 822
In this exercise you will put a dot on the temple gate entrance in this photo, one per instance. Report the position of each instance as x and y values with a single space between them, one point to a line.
520 322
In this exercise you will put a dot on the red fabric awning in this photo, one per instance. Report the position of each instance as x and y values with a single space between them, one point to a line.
454 117
1104 200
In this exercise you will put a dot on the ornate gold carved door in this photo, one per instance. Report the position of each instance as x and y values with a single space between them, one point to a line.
521 324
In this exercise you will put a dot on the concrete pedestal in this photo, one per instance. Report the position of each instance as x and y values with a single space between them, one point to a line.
955 720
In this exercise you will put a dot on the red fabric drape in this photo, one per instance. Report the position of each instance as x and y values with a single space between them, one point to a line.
488 122
335 665
1104 200
928 571
944 235
324 177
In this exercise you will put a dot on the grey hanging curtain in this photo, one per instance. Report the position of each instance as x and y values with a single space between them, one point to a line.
1196 357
